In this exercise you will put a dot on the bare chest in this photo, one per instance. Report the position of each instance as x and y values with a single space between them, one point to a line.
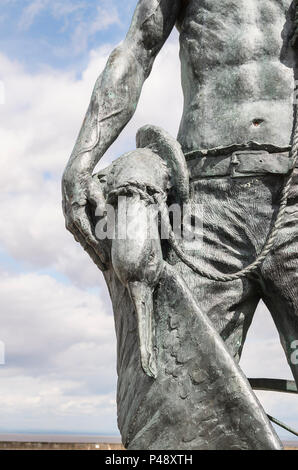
231 10
235 31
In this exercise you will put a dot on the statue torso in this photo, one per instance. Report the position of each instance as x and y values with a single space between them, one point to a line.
237 72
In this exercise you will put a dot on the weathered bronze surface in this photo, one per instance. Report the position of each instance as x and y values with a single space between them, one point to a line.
179 333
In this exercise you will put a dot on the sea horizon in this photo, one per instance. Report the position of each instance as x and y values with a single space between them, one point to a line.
60 436
77 437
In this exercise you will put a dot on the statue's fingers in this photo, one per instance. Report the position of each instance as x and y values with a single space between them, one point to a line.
70 225
84 226
96 196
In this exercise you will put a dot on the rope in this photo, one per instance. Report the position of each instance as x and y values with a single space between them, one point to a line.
190 262
158 196
147 192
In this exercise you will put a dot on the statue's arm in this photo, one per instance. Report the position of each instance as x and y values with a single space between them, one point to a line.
113 103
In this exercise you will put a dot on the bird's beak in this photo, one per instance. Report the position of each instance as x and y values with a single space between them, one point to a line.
142 297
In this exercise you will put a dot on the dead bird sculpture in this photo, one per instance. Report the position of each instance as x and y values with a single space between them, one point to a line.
145 177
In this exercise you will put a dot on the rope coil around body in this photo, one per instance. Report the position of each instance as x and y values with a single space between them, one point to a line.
190 262
159 196
147 192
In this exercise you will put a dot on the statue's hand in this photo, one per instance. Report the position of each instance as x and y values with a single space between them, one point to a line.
80 195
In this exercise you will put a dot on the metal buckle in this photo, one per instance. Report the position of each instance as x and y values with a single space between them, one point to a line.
235 162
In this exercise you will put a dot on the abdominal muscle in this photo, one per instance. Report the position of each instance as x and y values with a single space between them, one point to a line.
237 73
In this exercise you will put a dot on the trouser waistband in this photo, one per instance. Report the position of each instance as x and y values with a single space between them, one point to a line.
240 164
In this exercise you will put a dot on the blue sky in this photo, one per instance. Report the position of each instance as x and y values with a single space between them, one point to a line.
59 33
56 317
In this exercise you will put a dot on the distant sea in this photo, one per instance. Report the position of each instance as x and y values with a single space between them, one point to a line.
80 438
291 443
39 437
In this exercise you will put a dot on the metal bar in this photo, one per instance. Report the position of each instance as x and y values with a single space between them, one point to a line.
274 385
282 425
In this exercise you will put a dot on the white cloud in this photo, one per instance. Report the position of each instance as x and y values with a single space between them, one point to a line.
43 113
60 339
44 404
82 19
84 30
60 342
63 8
57 8
63 314
31 12
263 353
105 17
263 356
60 354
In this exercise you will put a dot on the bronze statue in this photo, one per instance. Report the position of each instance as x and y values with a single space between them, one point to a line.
179 383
